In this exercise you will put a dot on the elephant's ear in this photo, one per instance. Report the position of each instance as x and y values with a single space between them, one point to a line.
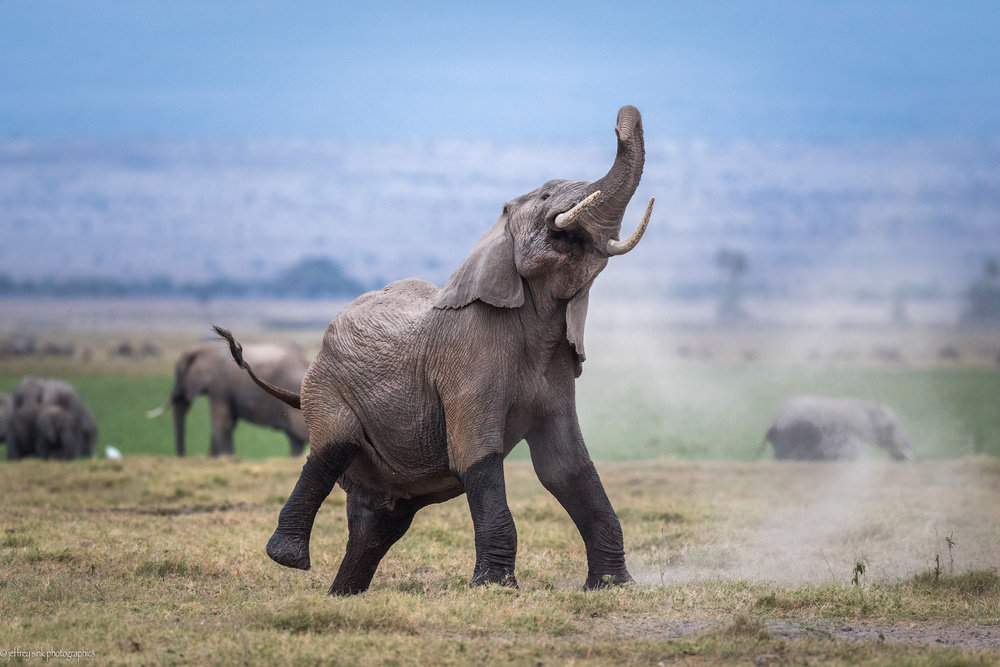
576 317
487 273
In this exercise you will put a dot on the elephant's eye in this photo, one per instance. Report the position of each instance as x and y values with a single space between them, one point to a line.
545 195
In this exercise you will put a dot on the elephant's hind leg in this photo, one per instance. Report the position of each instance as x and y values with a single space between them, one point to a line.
372 533
289 545
223 423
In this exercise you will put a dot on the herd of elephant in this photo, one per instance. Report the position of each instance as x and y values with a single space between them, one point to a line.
418 393
46 418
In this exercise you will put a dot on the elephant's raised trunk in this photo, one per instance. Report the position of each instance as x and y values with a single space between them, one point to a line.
603 220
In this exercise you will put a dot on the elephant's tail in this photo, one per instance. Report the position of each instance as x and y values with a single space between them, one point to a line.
288 397
158 412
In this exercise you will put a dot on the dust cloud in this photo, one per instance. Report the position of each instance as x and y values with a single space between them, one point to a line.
703 393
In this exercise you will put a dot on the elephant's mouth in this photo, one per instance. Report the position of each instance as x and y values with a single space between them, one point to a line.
611 247
567 218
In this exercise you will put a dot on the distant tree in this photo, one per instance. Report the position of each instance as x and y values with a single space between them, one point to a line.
983 297
898 314
316 278
735 264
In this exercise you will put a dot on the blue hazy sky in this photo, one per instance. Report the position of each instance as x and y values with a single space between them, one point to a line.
499 71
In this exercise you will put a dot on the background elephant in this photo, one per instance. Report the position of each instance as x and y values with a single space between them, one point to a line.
207 369
47 418
821 428
59 435
419 393
6 410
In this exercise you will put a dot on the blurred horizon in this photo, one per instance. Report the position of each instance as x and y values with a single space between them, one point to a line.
843 149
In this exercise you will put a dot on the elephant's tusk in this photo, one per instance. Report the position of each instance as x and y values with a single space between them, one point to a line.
153 414
621 247
564 220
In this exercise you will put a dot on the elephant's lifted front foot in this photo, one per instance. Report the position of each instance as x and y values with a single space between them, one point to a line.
289 550
500 576
595 581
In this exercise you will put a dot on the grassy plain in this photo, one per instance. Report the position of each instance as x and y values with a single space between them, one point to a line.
153 560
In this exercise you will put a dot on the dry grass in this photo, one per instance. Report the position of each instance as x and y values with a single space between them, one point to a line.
160 561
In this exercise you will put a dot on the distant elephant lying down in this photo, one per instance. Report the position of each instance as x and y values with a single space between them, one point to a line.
821 428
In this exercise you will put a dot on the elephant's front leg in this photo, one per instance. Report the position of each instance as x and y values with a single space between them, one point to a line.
289 545
496 536
564 468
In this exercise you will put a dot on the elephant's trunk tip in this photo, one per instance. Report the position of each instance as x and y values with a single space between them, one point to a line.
628 117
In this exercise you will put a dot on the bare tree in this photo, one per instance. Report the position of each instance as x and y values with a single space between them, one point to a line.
983 297
734 263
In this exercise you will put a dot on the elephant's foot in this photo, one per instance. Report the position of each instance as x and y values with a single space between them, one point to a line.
289 550
498 576
608 580
346 588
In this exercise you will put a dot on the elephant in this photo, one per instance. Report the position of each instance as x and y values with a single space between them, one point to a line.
419 393
207 369
59 436
47 418
823 428
6 411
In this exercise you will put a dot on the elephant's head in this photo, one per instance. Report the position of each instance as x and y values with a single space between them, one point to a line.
195 371
556 239
889 433
29 392
58 434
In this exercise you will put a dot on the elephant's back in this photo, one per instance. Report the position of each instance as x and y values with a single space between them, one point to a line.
816 409
394 313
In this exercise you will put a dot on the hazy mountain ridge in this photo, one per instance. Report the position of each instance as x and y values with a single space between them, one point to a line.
811 219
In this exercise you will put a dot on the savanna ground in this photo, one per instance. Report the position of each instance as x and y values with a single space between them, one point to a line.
155 560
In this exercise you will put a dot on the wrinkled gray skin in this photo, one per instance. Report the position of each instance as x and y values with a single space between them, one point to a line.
419 393
46 418
821 428
206 369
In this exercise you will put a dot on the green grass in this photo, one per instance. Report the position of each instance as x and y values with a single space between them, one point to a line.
713 413
119 404
720 413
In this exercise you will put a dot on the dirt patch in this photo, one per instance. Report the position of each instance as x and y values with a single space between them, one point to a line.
927 633
186 509
916 633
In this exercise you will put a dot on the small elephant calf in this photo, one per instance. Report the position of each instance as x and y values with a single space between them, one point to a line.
822 428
